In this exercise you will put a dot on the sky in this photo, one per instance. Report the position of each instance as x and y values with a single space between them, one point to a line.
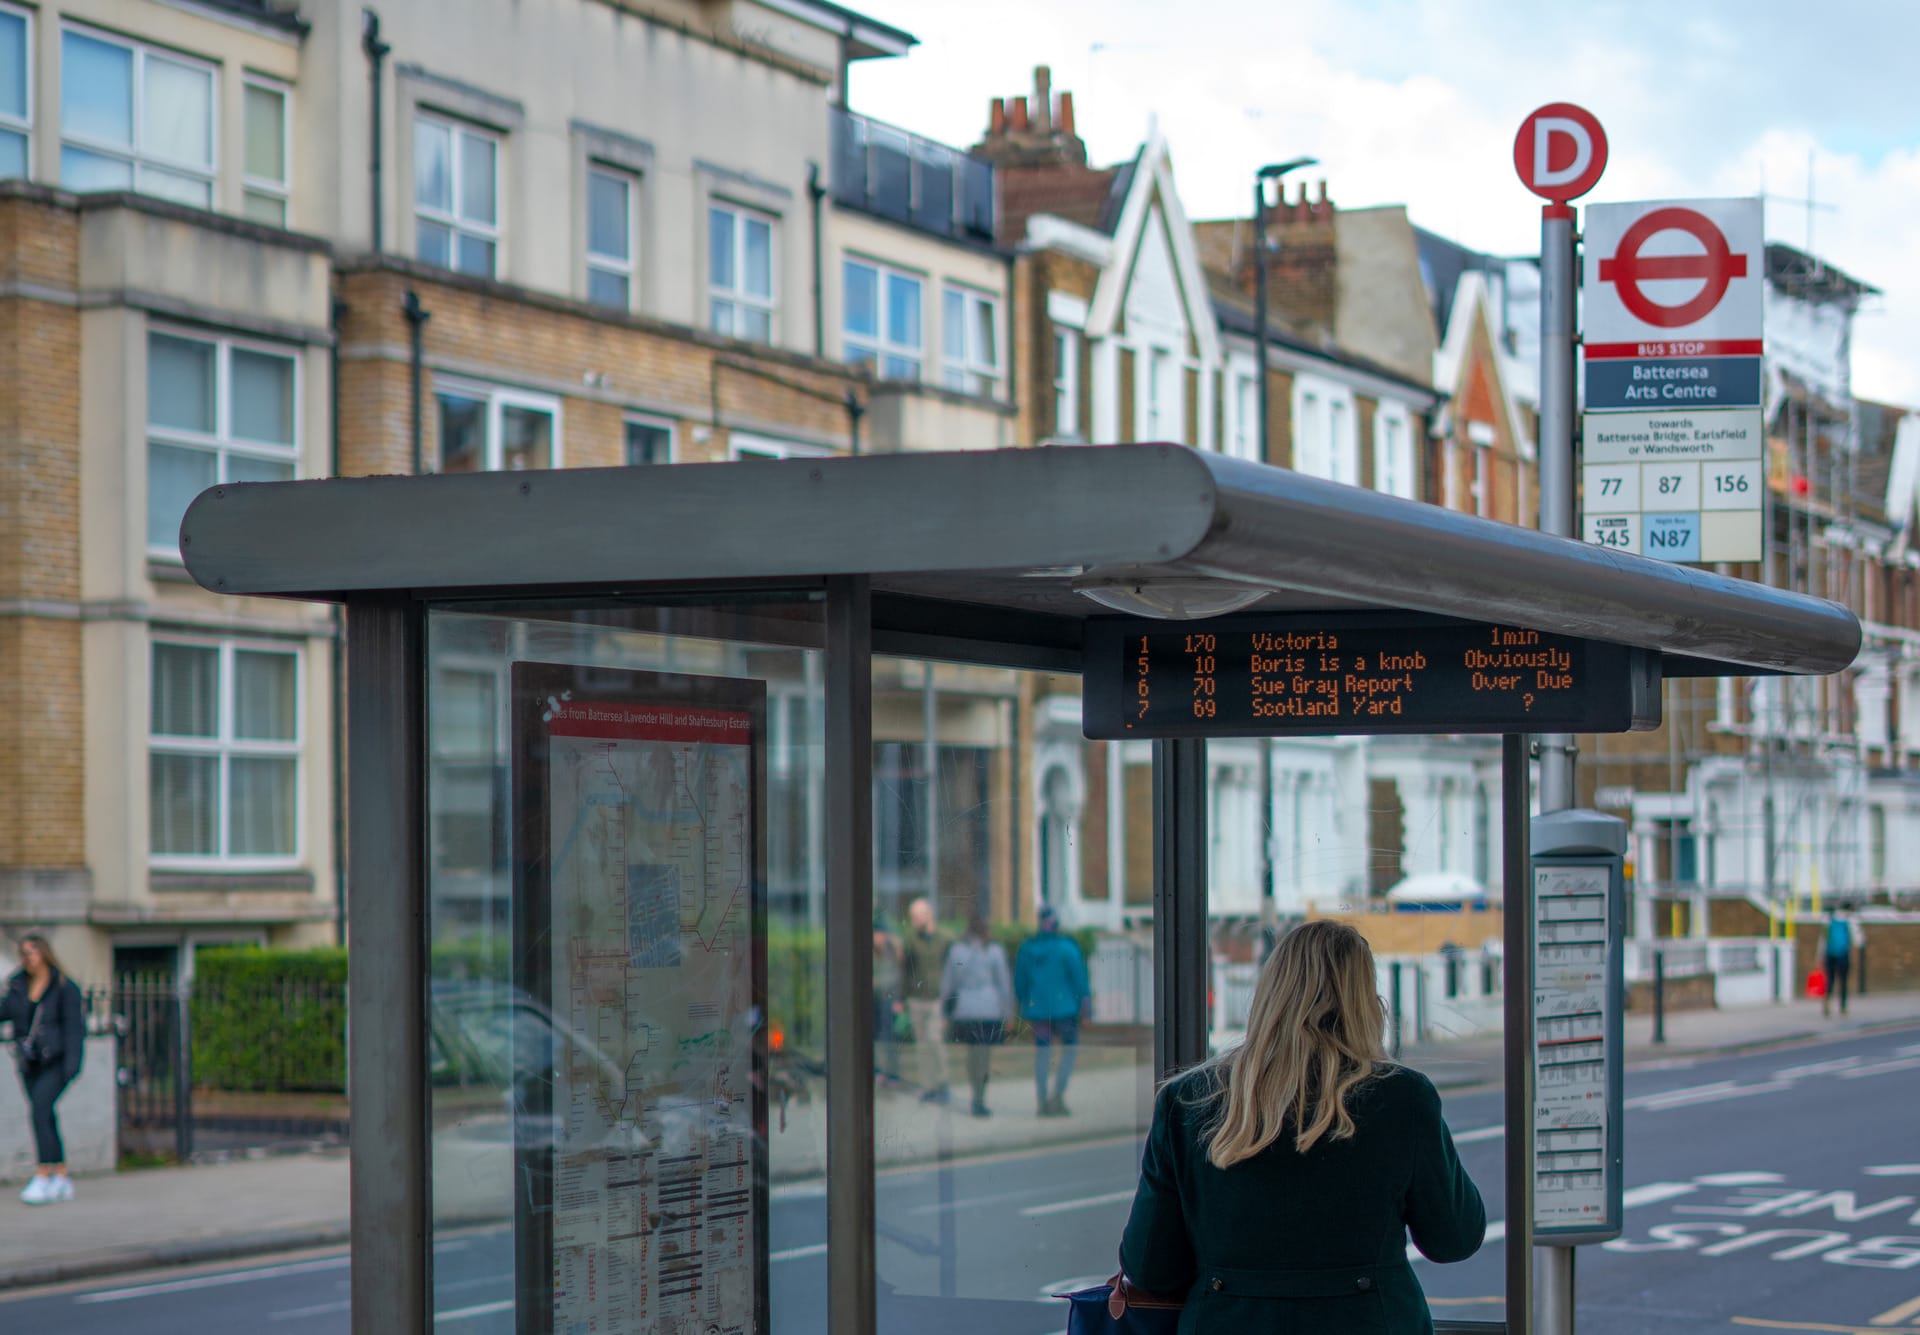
1416 102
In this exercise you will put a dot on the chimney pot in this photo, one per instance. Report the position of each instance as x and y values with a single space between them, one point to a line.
1066 113
1323 190
1043 99
1017 114
996 117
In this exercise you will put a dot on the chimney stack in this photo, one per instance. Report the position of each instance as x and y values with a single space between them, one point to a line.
1032 131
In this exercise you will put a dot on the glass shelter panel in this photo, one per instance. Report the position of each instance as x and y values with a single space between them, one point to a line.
627 1048
1013 1064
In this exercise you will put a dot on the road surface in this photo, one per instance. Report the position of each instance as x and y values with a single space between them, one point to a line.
1775 1191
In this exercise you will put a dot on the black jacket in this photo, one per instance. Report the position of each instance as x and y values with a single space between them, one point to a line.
59 1035
1312 1243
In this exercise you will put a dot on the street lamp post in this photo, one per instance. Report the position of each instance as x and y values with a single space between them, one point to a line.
1273 171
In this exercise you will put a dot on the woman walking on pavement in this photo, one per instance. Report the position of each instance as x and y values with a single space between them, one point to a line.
49 1039
977 993
1282 1179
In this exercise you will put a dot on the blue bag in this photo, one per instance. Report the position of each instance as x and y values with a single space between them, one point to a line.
1118 1308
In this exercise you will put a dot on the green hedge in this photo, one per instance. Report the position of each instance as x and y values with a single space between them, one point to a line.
276 1020
270 1020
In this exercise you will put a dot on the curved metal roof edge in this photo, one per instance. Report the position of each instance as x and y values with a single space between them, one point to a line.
994 510
1144 508
1347 542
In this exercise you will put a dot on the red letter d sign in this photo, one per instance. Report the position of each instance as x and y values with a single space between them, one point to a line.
1560 152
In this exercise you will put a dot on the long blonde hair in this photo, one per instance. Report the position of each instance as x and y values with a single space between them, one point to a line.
1313 1034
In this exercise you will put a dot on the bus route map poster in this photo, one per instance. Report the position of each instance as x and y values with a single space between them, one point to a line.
640 1113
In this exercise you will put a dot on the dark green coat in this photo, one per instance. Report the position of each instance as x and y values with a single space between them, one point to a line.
1305 1244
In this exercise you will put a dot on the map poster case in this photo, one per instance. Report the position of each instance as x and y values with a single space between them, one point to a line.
640 1117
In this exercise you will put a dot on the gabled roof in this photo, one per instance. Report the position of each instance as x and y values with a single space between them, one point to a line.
1473 305
1148 182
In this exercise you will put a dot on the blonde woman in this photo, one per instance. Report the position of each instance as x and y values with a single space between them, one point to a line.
1282 1179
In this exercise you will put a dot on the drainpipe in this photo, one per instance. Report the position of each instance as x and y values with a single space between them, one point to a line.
376 58
817 193
417 317
855 411
1013 363
338 664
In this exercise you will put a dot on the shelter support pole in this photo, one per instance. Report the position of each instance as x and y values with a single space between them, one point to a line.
1558 289
1517 988
392 1285
851 1308
1180 964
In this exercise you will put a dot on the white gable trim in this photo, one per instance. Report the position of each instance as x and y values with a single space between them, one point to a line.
1154 176
1473 301
1047 232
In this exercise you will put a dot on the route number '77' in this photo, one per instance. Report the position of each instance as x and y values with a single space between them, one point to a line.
1609 486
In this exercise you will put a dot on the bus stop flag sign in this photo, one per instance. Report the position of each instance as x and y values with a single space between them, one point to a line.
1672 293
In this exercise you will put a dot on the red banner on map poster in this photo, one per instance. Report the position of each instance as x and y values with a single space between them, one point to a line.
655 723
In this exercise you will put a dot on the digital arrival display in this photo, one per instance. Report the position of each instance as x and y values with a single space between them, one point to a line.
1263 676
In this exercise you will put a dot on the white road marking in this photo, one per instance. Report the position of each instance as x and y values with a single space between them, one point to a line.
318 1309
483 1309
797 1253
1084 1203
1882 1068
1740 1179
1893 1170
1653 1193
1714 1093
1817 1068
213 1281
1650 1194
1001 1198
1479 1133
798 1191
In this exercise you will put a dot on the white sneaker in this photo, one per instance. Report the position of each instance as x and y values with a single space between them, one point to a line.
62 1188
38 1191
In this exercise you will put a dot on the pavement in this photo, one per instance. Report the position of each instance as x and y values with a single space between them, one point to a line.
120 1223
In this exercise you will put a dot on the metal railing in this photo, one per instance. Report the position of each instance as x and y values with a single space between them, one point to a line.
210 1066
892 174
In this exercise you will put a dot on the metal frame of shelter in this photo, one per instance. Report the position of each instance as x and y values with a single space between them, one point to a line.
962 557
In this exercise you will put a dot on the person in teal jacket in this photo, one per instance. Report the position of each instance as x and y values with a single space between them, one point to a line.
1282 1179
1050 982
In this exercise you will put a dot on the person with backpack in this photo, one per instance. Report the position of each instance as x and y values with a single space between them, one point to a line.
1839 959
1050 979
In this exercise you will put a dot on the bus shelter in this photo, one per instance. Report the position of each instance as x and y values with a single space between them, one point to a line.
636 804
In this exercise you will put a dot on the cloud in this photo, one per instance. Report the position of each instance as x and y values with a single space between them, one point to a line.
1417 102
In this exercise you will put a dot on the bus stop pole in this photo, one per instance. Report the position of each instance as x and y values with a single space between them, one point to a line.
1180 964
1517 989
1557 294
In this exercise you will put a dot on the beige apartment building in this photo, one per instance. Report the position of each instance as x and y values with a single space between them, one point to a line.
262 239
